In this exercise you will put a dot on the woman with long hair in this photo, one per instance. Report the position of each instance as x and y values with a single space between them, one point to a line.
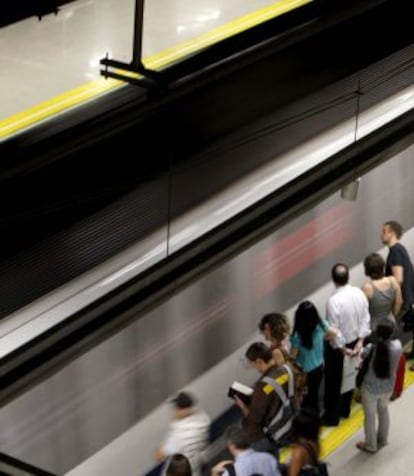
307 341
377 385
383 292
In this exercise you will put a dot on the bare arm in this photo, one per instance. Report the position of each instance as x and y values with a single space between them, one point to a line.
278 356
398 273
298 460
219 468
160 455
367 290
398 297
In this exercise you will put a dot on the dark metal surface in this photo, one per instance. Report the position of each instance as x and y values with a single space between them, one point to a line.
72 183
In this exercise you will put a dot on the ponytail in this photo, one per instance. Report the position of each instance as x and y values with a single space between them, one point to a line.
381 363
382 358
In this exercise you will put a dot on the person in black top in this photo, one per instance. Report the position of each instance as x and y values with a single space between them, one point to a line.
400 266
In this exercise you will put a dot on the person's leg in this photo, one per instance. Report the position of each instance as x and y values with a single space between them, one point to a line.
383 419
346 400
333 378
369 405
311 399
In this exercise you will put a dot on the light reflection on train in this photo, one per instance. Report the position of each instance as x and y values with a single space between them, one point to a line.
195 339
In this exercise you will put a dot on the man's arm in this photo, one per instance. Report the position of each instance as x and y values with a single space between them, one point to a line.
160 455
332 316
398 273
258 409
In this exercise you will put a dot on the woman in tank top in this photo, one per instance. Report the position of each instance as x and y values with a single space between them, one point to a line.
383 292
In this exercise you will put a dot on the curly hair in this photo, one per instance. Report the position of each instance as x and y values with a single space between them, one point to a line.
278 324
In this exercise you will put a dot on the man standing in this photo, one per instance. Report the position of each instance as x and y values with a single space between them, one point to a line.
265 402
399 265
188 432
347 311
246 461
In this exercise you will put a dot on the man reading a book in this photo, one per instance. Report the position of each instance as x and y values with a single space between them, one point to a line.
264 401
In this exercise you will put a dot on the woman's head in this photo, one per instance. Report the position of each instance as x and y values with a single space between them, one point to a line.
178 465
274 326
306 425
374 266
306 319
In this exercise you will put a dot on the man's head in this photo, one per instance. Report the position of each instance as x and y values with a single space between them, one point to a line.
183 405
274 326
340 274
391 232
259 356
236 439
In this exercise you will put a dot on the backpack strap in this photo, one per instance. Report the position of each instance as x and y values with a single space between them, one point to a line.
278 388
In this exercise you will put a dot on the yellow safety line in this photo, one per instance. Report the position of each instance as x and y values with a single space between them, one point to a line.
333 437
101 85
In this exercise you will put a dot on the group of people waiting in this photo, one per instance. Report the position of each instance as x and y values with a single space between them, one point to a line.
360 323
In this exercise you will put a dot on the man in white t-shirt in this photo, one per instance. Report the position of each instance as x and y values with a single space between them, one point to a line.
188 432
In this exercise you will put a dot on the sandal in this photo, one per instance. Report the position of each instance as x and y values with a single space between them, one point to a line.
361 445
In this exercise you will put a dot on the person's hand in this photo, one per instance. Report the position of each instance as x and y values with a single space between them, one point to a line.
219 468
241 405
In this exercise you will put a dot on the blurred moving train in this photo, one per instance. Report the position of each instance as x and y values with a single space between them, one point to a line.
108 405
105 412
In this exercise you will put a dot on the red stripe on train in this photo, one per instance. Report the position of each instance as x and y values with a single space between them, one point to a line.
297 251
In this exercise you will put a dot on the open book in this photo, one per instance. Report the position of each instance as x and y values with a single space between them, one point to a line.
242 391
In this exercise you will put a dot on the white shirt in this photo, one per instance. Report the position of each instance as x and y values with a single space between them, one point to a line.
347 310
189 436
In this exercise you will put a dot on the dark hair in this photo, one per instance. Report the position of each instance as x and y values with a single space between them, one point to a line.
178 465
395 227
278 324
382 361
306 319
237 436
306 424
183 400
258 350
374 266
340 274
